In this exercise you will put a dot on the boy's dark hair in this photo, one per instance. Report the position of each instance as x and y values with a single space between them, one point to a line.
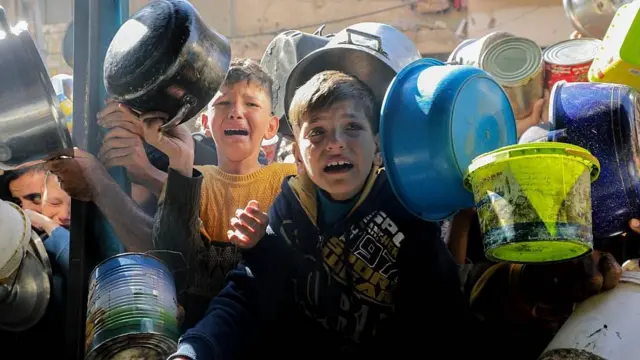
243 69
327 88
9 176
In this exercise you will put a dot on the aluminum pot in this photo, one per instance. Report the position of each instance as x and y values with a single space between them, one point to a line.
592 18
281 56
372 52
164 58
32 128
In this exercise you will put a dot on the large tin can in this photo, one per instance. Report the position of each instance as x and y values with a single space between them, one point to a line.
516 63
469 52
569 60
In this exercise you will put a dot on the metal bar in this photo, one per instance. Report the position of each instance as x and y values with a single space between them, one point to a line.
92 239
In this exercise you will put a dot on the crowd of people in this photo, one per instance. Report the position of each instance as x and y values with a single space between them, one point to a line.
298 247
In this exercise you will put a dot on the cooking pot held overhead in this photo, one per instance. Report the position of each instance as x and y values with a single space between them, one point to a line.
32 128
164 58
372 52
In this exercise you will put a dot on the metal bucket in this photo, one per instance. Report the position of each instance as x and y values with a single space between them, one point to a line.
132 309
516 63
32 127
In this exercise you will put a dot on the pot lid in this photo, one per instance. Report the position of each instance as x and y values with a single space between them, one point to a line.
25 302
147 45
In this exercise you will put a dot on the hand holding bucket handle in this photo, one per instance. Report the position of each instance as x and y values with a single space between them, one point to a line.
187 103
363 34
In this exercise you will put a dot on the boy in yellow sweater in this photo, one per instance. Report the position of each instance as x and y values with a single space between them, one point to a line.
231 199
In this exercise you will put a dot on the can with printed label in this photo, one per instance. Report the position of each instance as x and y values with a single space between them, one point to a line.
569 60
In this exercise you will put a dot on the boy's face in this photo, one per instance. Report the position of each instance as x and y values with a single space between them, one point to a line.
336 149
241 119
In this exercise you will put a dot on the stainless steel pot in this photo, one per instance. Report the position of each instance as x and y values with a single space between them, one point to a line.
372 52
592 18
281 56
166 59
32 128
24 297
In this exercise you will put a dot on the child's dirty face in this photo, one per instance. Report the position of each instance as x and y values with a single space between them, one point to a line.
241 119
336 149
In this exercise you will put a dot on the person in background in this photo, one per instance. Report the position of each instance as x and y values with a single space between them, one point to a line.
344 269
239 189
49 208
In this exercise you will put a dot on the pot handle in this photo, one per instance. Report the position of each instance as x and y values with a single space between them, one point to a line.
365 35
4 22
187 103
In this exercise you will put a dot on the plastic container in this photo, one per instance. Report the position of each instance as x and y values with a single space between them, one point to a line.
604 326
434 120
618 60
534 201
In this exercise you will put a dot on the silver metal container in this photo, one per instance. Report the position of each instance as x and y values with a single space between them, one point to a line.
372 52
32 127
592 18
516 63
470 51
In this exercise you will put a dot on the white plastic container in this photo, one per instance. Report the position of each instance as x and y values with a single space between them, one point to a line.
15 232
603 327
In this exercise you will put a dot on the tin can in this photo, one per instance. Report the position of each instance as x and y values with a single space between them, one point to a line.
569 60
516 64
470 51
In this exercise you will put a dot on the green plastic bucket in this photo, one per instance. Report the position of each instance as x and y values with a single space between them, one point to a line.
534 201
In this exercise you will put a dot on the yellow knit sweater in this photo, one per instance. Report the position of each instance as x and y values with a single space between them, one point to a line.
223 194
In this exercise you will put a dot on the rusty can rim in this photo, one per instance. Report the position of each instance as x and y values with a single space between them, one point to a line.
572 52
512 60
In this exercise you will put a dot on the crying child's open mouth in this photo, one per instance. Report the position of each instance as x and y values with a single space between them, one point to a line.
338 167
236 132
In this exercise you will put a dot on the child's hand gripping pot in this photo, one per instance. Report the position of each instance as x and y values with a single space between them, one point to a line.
249 226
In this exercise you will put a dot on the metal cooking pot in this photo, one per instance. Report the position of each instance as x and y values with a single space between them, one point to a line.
592 18
604 119
24 297
164 58
32 127
372 52
281 56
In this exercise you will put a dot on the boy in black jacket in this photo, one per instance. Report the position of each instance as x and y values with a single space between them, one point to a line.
344 269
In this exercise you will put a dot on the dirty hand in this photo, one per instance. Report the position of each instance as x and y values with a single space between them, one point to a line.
540 114
116 115
249 226
41 222
81 176
120 147
176 143
555 289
